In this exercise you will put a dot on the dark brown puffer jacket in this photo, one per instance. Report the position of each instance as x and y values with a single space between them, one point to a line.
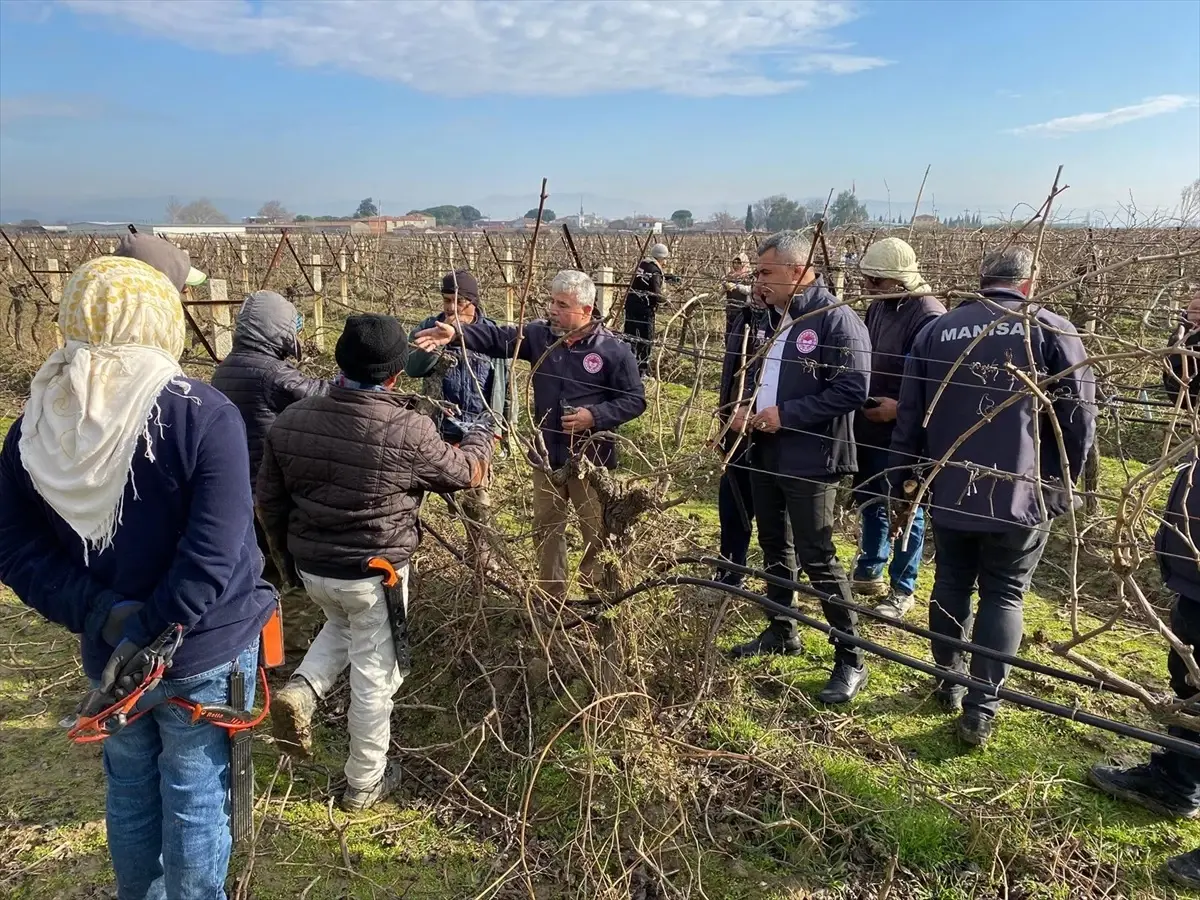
342 479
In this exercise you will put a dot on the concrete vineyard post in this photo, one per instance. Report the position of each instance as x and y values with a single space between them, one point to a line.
604 280
343 278
222 317
245 270
318 305
510 290
54 280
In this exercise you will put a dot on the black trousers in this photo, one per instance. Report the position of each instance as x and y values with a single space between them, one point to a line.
735 510
1002 563
795 519
1179 773
639 331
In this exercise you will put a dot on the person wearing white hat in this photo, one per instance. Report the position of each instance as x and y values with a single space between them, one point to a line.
889 268
642 301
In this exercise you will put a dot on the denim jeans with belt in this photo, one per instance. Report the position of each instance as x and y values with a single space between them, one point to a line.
870 488
167 809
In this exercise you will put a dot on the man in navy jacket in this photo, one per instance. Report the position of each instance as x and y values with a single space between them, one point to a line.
1169 784
808 385
992 501
585 381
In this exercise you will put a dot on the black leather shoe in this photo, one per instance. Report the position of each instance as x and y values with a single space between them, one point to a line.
1139 785
844 684
1185 869
949 696
975 728
774 639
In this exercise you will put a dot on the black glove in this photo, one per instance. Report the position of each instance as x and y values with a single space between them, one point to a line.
114 625
125 670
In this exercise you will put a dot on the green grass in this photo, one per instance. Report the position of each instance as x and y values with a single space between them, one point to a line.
887 778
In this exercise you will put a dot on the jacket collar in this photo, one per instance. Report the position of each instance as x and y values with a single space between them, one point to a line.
1003 295
807 300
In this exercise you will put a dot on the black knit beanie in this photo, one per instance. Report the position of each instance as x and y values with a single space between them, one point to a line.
371 349
462 283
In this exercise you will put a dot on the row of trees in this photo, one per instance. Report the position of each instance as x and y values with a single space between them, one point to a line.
777 213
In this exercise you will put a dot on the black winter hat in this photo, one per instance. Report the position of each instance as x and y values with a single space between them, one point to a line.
467 286
371 349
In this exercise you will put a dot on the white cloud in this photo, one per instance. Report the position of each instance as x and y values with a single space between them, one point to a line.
47 106
521 47
1153 106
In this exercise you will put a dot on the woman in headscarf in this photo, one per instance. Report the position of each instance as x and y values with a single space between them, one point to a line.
125 509
889 267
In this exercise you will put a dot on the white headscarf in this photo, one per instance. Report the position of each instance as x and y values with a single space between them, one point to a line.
92 401
895 259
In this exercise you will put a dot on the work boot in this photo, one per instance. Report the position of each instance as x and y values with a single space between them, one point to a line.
869 585
292 710
896 604
949 696
1184 869
358 799
776 638
733 579
1140 785
844 683
975 728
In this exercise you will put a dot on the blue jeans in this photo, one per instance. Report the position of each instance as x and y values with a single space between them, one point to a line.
870 487
168 792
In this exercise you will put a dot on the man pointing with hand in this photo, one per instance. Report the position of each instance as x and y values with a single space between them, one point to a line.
585 381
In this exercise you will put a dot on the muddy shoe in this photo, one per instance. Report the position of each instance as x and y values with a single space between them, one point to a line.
949 696
1185 869
975 729
1140 785
775 639
292 710
865 586
358 799
896 604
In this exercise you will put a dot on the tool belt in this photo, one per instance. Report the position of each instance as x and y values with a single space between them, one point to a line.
233 717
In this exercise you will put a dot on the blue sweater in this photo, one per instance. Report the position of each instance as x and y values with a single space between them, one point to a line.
185 548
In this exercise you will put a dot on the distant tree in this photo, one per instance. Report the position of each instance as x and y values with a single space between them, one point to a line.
173 208
616 224
723 221
778 213
749 217
682 218
29 223
303 218
366 209
469 215
446 216
548 215
273 209
1189 203
847 210
201 212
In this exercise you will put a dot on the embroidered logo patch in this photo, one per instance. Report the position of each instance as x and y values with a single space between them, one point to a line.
593 363
806 341
762 335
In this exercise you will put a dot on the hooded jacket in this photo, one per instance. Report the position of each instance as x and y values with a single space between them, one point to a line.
824 374
893 326
596 370
1178 534
475 378
257 376
993 478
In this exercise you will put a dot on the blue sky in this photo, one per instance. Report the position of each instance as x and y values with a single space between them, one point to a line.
705 104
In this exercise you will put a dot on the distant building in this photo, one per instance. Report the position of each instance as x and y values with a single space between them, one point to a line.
642 223
265 220
926 221
190 230
388 224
